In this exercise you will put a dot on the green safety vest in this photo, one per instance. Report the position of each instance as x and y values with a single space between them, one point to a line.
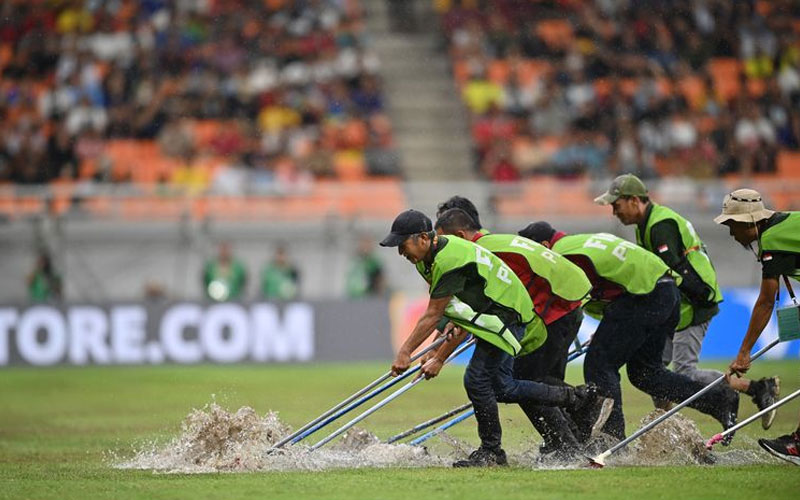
566 280
501 287
695 251
617 260
783 237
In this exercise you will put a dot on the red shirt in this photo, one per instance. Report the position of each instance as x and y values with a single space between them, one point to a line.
548 306
602 289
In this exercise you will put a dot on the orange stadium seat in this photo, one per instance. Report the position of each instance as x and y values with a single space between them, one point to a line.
692 90
763 7
498 71
382 198
756 87
725 73
6 54
556 33
205 130
532 69
788 164
123 156
461 72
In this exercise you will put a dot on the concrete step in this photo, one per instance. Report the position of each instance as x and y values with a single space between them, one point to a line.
415 164
422 103
437 173
431 127
393 43
416 85
415 65
433 143
412 119
422 138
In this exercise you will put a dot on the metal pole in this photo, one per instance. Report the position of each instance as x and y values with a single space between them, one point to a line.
572 356
386 401
441 428
428 423
599 460
307 430
718 437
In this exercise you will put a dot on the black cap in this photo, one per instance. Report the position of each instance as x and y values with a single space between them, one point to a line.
407 224
538 231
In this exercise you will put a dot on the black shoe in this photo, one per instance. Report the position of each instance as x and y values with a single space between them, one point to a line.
785 447
590 411
483 457
765 393
727 413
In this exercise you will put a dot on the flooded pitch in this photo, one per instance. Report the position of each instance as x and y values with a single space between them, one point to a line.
213 439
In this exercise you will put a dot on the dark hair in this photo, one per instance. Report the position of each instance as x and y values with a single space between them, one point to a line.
538 231
455 219
461 203
643 199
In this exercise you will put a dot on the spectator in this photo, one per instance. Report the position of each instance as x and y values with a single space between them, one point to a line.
280 279
497 164
154 70
44 282
481 94
365 276
653 68
224 277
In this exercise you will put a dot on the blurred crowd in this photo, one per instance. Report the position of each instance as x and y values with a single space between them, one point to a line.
229 94
700 88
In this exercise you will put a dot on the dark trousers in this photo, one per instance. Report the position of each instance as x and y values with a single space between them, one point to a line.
632 333
548 364
489 379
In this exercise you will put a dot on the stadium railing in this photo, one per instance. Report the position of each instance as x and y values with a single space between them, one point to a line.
377 198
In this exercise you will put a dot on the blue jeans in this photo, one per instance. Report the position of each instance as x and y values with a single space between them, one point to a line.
489 379
632 333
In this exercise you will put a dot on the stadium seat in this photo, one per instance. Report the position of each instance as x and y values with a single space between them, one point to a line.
725 72
556 33
788 165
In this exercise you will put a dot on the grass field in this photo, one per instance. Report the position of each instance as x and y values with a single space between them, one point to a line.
57 427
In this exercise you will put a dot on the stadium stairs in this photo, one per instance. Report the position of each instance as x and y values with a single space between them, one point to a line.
431 124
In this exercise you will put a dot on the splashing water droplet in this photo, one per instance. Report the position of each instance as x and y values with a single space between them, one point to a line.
215 440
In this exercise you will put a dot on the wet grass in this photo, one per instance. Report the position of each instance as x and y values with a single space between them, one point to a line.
60 428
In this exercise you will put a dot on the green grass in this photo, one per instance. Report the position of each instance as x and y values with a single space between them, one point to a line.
58 425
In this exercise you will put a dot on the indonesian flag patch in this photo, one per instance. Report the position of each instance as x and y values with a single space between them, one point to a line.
766 257
662 248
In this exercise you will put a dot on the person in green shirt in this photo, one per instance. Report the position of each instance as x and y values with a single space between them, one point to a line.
777 235
673 239
224 277
280 279
557 288
365 277
455 268
636 296
461 203
44 283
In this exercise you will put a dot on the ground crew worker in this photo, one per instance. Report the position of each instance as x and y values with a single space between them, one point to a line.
674 240
557 288
464 204
461 269
778 238
637 297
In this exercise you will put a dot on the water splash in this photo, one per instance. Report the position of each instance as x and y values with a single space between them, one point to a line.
677 441
215 440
